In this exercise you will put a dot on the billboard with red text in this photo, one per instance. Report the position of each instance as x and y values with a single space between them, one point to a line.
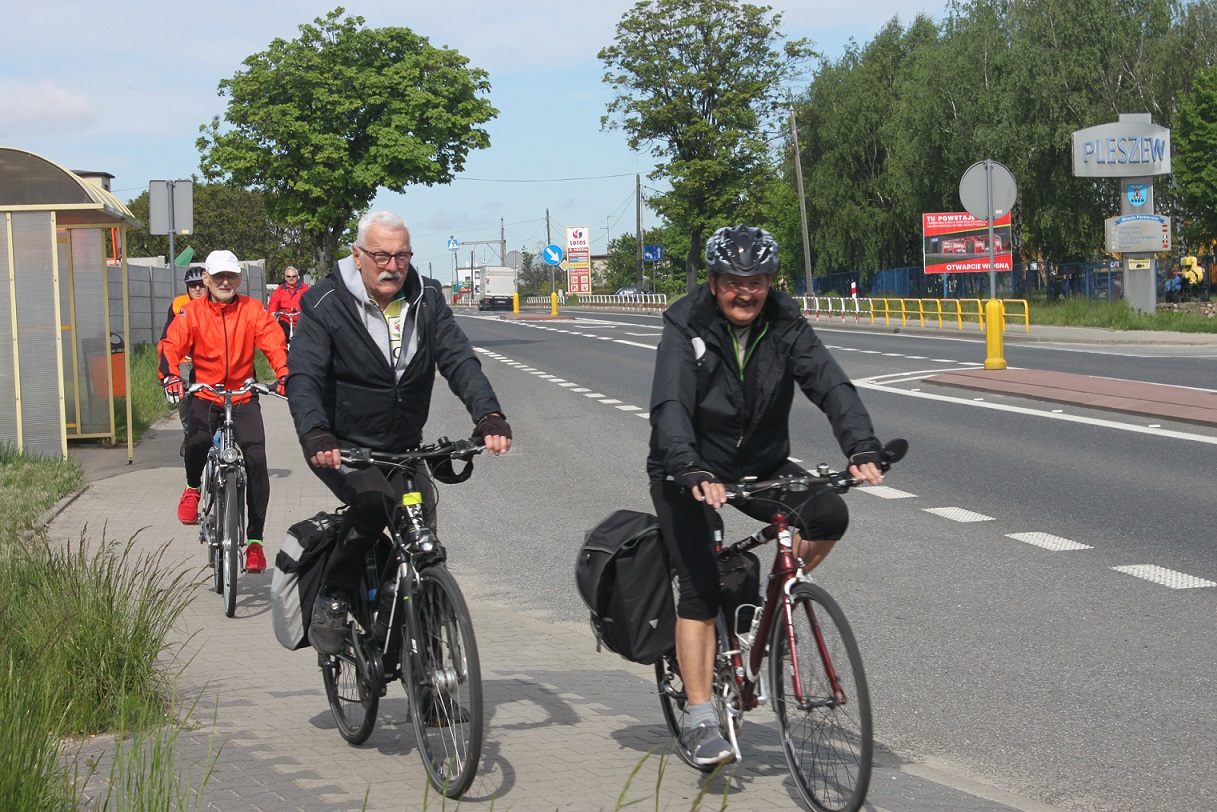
956 242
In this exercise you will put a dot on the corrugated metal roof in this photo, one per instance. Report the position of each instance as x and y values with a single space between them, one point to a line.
29 182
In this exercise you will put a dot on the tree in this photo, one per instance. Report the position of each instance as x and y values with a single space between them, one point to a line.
226 217
320 123
1195 144
699 81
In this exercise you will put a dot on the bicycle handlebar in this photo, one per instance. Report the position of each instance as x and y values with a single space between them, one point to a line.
838 481
439 450
219 391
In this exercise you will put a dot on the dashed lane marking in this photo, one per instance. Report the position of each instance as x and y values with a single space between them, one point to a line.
886 492
1049 541
957 514
1165 577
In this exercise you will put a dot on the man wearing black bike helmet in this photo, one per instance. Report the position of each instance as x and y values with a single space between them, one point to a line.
730 357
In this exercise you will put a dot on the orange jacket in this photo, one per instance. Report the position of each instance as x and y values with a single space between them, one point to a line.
220 339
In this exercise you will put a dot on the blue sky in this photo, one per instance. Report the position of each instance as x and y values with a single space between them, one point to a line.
123 86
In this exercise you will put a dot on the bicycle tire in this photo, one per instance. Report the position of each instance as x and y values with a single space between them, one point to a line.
352 701
828 740
443 679
230 539
214 522
675 706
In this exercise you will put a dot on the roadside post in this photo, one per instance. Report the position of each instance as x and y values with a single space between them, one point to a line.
552 255
988 192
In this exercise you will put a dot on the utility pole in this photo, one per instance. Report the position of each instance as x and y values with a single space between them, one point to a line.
798 174
638 210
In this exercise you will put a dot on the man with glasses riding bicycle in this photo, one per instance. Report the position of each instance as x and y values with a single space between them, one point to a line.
284 303
371 337
729 359
220 332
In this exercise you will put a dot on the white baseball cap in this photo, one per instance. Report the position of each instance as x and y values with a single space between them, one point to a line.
222 262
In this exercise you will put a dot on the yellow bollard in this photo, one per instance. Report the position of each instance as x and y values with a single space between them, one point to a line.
995 323
553 304
515 303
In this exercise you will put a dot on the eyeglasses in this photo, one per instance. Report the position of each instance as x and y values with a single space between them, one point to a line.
291 277
194 284
381 258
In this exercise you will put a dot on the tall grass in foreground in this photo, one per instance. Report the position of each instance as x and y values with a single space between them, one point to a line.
82 633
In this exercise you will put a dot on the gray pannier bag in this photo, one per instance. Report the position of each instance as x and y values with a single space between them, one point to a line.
297 577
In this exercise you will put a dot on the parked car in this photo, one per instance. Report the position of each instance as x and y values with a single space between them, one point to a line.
627 292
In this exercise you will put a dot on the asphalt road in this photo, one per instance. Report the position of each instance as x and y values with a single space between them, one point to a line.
1045 672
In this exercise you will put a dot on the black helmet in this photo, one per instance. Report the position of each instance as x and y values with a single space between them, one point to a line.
743 251
193 274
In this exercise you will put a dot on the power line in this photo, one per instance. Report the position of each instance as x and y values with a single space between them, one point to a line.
543 180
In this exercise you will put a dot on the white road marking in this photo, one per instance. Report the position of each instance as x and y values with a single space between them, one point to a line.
1049 541
625 407
635 344
1165 577
957 514
594 395
884 384
609 401
885 492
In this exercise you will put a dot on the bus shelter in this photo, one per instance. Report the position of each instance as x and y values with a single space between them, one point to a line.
58 379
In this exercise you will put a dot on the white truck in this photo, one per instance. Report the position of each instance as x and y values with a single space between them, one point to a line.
497 284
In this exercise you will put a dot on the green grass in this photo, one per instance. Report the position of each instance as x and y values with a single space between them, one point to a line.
1115 316
29 485
83 631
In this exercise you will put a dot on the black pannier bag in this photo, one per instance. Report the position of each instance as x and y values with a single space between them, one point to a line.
296 579
624 577
740 578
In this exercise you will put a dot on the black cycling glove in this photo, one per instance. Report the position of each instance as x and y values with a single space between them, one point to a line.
494 424
317 440
864 457
695 476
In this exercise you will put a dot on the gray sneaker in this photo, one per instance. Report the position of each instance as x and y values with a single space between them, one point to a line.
328 629
705 743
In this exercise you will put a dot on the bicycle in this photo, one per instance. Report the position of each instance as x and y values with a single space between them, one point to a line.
816 678
427 618
222 496
290 317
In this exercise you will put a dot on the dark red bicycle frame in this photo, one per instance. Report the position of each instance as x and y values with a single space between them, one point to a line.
784 566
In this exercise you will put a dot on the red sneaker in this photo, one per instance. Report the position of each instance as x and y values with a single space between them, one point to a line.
255 559
188 507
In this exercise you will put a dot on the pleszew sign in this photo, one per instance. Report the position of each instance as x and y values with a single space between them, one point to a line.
1131 147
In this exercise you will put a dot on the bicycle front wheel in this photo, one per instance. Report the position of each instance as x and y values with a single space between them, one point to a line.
352 701
230 538
821 702
443 678
675 706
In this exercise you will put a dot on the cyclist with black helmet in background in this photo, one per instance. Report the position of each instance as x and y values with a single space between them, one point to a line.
730 357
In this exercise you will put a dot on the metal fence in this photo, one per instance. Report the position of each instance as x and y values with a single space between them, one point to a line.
151 287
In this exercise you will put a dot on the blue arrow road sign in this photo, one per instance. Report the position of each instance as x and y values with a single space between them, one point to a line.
552 254
453 244
652 253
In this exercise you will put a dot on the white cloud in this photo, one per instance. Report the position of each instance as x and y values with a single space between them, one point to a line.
43 108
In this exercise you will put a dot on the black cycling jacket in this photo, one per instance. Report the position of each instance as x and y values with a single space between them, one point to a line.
341 380
705 415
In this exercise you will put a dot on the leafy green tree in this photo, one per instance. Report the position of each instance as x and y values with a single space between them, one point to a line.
534 274
321 123
226 217
622 269
1194 150
700 82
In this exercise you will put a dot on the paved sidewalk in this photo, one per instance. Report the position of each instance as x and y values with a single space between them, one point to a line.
566 726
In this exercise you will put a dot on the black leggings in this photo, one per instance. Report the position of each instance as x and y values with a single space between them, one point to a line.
688 533
371 498
203 418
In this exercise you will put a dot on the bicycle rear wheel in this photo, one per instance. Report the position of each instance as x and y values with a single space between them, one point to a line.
826 731
230 538
352 700
443 678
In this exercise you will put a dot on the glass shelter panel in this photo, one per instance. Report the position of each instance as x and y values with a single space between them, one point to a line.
37 334
8 375
92 340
